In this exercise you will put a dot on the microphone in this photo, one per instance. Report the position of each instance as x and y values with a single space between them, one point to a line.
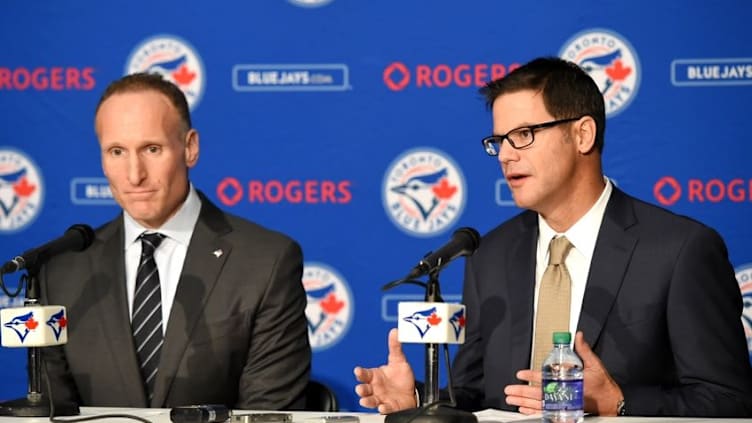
77 238
463 243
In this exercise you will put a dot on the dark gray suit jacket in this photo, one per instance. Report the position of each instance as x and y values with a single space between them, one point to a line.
662 309
236 334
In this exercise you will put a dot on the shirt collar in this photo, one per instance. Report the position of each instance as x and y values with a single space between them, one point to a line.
584 233
178 228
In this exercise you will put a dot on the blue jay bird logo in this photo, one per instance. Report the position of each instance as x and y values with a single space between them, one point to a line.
610 64
423 192
17 182
21 190
167 67
57 322
420 190
744 278
22 325
423 320
610 61
327 300
458 323
173 58
330 305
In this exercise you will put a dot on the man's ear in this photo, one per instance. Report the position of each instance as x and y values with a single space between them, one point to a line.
191 148
585 134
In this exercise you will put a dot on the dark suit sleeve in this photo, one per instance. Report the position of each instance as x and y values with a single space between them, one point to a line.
703 314
467 371
279 358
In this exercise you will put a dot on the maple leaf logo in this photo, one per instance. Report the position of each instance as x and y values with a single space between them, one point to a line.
183 76
331 305
618 72
31 324
62 322
443 190
433 319
23 188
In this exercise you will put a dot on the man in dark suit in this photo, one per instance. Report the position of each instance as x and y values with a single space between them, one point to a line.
175 302
652 295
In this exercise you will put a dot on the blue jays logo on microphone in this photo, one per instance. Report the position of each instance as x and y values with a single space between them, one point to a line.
57 322
744 277
21 190
424 320
423 192
458 323
330 305
174 59
22 324
612 63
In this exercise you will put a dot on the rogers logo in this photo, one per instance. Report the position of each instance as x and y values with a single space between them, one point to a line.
397 75
47 78
231 191
668 190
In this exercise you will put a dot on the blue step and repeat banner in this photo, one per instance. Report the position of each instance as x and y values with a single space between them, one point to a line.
315 114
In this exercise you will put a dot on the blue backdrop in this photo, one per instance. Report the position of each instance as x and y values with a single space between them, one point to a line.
314 114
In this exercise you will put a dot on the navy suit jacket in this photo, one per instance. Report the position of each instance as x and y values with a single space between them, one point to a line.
237 332
662 309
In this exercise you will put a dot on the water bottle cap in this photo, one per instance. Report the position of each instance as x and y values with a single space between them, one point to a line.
562 337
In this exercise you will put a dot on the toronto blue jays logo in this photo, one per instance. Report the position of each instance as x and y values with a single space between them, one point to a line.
744 277
174 59
612 63
21 190
329 310
22 325
58 322
423 320
458 323
424 192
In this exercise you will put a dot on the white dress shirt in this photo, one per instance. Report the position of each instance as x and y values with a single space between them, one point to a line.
582 235
169 256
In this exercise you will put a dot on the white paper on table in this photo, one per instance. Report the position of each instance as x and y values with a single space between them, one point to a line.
493 415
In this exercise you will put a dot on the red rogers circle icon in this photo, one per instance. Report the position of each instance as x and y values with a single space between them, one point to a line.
393 71
673 185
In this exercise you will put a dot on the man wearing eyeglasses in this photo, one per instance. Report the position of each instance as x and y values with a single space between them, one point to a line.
651 295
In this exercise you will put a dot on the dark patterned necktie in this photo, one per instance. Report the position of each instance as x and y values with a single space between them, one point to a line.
147 312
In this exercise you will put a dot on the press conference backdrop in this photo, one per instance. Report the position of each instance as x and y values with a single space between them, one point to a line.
316 115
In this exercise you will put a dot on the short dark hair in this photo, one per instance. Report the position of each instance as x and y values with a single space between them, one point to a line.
142 81
568 91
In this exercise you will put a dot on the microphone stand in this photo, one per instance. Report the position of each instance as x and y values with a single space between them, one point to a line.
36 403
430 410
431 387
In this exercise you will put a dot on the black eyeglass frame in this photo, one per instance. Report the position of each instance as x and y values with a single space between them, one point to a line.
499 139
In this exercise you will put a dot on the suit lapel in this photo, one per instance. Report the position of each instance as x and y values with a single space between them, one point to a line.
521 277
204 259
613 252
109 270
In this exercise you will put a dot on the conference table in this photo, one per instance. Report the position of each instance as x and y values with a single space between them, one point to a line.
159 415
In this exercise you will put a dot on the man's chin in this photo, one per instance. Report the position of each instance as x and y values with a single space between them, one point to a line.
142 214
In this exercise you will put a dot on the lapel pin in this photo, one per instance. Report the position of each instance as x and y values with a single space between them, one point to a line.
218 253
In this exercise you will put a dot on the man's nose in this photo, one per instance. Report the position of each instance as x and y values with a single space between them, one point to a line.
136 171
507 153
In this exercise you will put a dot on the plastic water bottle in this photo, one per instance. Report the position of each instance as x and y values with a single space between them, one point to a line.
563 397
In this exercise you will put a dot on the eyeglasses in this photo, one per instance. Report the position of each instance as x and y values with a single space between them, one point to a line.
519 137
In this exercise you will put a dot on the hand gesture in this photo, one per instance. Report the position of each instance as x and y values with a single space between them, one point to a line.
390 387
